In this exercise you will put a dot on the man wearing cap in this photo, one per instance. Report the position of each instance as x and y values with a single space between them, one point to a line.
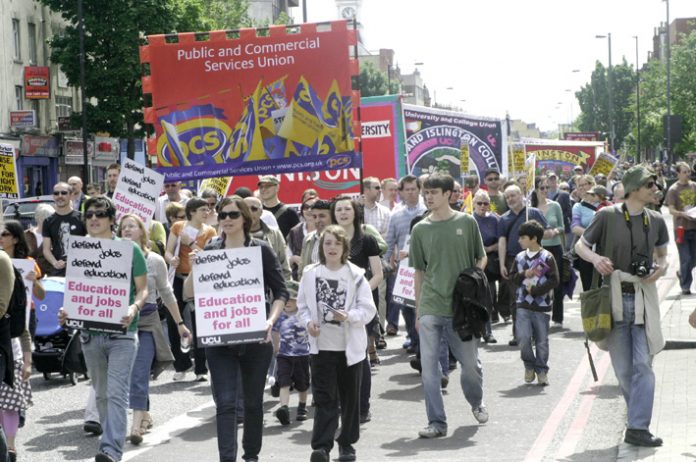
681 197
268 192
627 237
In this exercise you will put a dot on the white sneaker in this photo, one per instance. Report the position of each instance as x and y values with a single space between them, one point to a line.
179 376
201 378
480 414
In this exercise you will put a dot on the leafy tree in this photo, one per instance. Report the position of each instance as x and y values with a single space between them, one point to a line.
653 101
593 99
114 29
684 90
225 14
375 83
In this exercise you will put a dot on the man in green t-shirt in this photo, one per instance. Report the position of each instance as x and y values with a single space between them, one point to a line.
110 357
442 245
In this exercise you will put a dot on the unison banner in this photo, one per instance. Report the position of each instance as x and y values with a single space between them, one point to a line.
435 139
238 103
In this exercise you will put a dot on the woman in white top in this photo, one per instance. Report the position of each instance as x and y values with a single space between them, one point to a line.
153 344
335 303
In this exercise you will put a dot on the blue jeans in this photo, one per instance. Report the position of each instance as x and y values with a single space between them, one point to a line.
687 259
110 358
628 348
432 329
410 321
533 324
140 377
226 364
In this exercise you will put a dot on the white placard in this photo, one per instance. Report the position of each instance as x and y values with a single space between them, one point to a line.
404 285
97 283
137 191
25 266
229 296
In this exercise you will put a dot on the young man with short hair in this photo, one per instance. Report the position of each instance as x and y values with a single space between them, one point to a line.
268 193
321 214
628 237
112 173
444 244
376 214
172 193
390 188
57 229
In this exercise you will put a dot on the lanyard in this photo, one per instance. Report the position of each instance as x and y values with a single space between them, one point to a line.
646 226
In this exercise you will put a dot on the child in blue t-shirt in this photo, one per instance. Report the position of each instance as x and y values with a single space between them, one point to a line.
292 360
535 274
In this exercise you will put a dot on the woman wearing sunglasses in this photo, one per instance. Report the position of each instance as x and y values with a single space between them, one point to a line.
184 237
554 216
250 360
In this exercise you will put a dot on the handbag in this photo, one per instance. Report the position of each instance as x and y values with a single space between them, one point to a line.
595 304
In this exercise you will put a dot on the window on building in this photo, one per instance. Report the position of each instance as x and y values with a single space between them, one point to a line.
31 30
35 107
15 38
64 106
19 97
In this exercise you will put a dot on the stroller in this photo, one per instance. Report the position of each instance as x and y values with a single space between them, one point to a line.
56 348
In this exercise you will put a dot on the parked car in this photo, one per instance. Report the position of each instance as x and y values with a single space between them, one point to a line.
23 210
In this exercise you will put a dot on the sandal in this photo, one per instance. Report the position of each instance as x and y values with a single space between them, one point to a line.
146 423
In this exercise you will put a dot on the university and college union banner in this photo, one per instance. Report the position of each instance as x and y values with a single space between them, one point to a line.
438 140
235 103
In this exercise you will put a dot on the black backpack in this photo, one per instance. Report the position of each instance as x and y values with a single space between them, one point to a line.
17 309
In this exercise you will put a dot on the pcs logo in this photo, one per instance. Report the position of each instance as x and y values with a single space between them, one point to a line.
341 161
196 136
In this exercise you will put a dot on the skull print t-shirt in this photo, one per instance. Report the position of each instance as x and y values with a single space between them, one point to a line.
332 289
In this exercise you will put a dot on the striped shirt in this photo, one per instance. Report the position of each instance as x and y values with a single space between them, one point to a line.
378 216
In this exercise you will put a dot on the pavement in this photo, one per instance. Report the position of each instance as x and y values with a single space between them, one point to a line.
674 410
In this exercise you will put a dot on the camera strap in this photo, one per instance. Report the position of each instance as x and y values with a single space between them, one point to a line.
646 227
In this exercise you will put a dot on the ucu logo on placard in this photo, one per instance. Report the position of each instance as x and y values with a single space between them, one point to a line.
211 340
75 323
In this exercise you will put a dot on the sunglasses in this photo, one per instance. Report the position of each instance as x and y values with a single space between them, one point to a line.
5 234
254 208
493 178
543 188
483 204
96 214
233 215
61 193
171 185
649 184
377 187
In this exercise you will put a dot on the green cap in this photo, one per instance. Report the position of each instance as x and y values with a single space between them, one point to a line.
635 178
292 287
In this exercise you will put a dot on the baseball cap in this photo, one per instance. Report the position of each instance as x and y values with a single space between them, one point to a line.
269 179
292 287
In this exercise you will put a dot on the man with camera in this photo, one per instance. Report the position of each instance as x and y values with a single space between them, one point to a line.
631 253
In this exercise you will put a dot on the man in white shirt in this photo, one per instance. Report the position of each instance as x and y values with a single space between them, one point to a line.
376 214
172 191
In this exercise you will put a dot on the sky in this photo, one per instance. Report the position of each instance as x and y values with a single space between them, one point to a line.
508 56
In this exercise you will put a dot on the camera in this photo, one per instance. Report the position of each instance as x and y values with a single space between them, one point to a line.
640 266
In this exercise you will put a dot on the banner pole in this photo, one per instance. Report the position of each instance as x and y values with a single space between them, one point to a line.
357 84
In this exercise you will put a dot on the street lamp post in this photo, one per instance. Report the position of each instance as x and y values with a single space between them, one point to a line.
668 52
639 155
612 132
86 171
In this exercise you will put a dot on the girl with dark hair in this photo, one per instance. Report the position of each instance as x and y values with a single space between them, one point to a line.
15 399
364 253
